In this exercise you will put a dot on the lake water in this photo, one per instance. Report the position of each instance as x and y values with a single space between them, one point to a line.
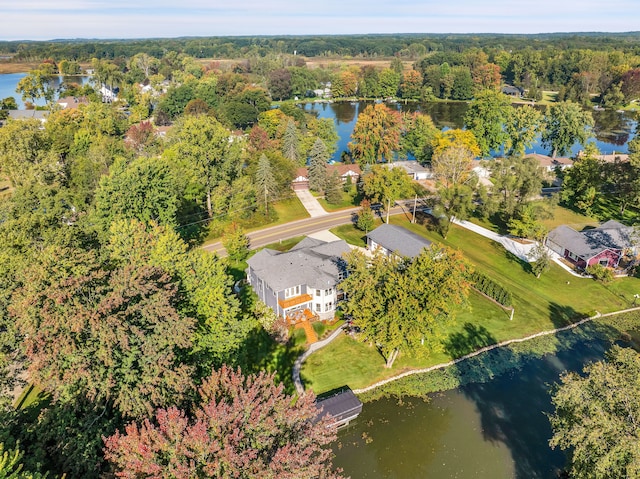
9 81
613 130
494 430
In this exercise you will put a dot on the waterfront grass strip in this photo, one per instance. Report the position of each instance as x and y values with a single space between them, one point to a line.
489 348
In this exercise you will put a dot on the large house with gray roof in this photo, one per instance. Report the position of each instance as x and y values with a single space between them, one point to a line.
302 281
392 239
604 245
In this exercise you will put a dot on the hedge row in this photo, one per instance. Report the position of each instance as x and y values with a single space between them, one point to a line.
487 286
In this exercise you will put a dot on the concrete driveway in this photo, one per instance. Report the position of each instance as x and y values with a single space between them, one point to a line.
311 204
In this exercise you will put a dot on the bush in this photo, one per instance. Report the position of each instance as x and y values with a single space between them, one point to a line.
600 273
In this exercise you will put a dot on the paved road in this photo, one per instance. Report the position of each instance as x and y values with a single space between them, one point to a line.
304 227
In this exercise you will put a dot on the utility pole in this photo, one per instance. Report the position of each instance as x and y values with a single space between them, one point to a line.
513 310
388 208
415 203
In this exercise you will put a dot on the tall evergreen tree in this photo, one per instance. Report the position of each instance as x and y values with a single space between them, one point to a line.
333 190
291 142
265 181
318 174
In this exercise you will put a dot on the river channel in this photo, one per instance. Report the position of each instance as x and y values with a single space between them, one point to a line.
493 430
9 82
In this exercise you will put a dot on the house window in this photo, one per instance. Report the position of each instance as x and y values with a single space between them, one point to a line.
573 256
293 291
327 292
318 308
317 292
328 307
604 262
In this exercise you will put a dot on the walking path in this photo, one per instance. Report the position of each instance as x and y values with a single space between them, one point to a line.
489 348
311 204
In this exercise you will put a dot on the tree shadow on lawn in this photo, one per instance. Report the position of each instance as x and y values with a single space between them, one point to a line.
511 389
563 315
472 338
525 265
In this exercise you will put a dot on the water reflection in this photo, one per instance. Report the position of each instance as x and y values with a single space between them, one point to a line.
493 430
613 130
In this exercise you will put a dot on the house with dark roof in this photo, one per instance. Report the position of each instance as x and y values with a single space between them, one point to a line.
345 171
392 239
302 281
512 91
604 245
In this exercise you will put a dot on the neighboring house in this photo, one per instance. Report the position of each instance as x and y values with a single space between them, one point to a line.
28 115
513 91
70 102
414 169
301 181
108 95
392 239
604 245
300 282
549 163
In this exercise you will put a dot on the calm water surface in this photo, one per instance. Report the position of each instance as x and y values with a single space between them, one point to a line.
9 81
613 130
494 430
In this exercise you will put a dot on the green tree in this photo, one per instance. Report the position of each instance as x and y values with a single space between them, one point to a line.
11 466
516 181
376 135
318 174
206 152
146 190
35 86
113 335
366 219
486 117
235 242
386 185
418 136
583 181
265 182
333 189
291 143
564 124
522 126
595 417
403 304
389 83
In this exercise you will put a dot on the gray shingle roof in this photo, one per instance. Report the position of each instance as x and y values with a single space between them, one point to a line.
399 239
613 235
315 263
587 244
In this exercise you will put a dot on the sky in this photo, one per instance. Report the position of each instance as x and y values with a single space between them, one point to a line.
57 19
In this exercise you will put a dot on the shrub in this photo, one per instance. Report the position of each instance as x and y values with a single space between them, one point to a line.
494 290
600 273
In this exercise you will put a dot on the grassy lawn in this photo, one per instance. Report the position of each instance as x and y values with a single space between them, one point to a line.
288 210
559 216
351 234
31 394
554 300
349 200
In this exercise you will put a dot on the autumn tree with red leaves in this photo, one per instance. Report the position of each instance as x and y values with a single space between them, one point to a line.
244 427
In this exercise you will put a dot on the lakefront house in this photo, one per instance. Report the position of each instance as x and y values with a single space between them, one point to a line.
300 283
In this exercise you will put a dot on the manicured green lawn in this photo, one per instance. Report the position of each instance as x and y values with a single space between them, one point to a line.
350 199
559 216
351 234
554 300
